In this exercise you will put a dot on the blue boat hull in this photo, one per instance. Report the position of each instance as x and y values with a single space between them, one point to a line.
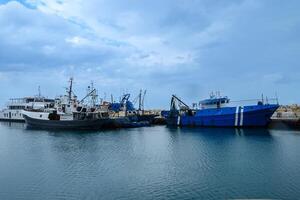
241 116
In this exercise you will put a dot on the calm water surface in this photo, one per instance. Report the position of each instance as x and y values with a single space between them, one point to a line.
149 163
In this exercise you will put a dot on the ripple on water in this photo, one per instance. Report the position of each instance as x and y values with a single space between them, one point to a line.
149 163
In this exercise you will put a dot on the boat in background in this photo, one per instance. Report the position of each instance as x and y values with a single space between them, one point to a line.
126 108
15 106
215 112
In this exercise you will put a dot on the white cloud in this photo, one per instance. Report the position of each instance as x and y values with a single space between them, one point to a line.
116 23
76 40
172 44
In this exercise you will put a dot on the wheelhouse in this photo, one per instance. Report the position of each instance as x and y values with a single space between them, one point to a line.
214 102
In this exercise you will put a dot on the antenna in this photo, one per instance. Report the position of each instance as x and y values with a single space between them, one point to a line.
39 90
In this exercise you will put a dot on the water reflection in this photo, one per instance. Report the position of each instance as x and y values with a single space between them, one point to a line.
14 125
262 131
224 132
278 125
148 163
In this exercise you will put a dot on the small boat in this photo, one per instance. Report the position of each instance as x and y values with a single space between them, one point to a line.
216 112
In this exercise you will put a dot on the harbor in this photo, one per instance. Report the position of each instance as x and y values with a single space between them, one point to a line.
119 149
149 100
91 112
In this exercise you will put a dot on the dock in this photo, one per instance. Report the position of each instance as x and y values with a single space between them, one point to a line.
288 115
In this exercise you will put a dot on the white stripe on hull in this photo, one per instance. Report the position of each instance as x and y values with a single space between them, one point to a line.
236 116
178 120
242 116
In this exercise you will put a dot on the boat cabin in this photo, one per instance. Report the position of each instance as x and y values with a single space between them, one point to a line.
214 102
30 102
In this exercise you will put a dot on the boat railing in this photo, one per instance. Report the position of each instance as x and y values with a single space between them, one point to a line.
29 109
90 115
16 102
263 101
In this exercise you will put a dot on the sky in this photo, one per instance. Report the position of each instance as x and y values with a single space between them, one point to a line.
242 48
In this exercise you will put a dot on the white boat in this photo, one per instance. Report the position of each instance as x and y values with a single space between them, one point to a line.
14 108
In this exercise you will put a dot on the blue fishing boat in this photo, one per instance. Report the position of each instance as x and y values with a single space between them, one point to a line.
216 112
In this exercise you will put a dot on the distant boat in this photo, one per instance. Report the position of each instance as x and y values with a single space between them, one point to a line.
216 112
126 108
13 111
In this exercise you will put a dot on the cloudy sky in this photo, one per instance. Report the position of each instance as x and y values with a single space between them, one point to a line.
187 47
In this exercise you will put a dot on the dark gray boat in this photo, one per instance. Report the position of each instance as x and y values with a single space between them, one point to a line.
79 121
70 124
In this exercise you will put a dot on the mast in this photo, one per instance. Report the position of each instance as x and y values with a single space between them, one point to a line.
112 98
88 95
70 89
140 100
94 94
39 90
143 100
276 96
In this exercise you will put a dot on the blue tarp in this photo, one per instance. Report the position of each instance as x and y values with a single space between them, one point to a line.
118 106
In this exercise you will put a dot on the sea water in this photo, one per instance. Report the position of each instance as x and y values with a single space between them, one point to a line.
149 163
